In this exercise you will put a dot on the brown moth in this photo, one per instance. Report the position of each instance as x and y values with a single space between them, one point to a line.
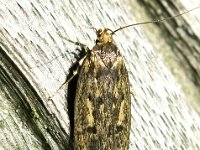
102 116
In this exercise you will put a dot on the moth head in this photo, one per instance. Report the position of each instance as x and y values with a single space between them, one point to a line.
104 35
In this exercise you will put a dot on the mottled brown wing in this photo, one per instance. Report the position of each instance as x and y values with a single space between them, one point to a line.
102 104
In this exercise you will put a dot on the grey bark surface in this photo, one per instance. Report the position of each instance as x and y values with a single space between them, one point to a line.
35 62
176 41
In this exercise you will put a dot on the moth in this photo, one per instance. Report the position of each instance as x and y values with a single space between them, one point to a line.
102 116
102 111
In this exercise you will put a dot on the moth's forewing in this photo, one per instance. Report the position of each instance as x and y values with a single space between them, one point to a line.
102 104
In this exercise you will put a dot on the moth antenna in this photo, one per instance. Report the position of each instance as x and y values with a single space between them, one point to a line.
155 21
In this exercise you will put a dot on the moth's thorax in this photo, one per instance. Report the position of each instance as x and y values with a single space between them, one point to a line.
104 35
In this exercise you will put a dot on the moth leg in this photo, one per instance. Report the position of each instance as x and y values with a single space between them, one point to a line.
76 70
83 46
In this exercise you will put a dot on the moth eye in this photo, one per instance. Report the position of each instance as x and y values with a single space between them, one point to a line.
98 33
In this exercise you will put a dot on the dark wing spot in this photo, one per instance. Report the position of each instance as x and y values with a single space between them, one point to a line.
92 130
119 128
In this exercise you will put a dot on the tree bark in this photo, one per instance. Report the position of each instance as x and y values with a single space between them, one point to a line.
35 61
176 41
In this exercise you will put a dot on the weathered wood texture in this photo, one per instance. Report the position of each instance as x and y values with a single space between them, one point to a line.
35 62
176 41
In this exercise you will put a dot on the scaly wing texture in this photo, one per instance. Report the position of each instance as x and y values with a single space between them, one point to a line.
102 104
